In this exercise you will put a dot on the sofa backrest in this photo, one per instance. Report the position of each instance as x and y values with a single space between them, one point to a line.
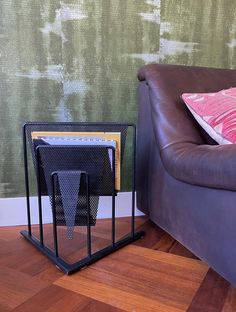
166 84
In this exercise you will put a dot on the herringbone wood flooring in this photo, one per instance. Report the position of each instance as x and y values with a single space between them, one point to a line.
155 273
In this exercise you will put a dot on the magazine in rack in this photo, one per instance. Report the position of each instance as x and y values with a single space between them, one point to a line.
112 139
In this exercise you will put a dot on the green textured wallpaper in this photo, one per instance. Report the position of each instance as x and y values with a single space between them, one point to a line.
77 60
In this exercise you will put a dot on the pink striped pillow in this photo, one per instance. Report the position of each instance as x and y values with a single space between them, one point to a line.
215 112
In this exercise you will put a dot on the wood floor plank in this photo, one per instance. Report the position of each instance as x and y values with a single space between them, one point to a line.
156 238
22 256
168 277
9 233
54 299
16 287
230 302
158 284
164 292
111 295
97 306
166 257
178 249
211 295
165 243
49 274
152 234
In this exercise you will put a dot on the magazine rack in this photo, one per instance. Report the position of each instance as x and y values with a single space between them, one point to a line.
73 176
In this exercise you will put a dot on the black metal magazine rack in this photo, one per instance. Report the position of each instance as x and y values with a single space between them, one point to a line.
73 165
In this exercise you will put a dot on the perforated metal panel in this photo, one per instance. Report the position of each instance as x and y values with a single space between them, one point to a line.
70 186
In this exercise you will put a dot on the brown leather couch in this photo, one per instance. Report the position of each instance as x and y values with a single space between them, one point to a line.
186 183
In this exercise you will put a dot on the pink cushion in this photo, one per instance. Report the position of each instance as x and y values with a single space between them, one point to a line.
215 112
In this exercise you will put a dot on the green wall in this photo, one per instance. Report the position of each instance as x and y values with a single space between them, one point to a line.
76 60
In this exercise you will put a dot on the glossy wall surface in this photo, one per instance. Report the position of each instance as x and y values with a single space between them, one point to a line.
77 60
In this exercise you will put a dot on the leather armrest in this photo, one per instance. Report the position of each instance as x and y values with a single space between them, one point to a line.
204 165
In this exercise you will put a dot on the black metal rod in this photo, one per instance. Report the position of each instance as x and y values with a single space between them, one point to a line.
39 195
133 181
26 178
111 124
89 242
113 196
53 176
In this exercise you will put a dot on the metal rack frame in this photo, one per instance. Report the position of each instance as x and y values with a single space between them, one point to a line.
53 255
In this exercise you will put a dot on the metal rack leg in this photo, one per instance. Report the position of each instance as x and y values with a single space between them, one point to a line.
53 175
39 197
89 243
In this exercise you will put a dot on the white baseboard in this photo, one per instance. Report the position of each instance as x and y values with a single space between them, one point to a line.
13 210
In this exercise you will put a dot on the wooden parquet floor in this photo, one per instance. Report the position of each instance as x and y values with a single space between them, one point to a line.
155 273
